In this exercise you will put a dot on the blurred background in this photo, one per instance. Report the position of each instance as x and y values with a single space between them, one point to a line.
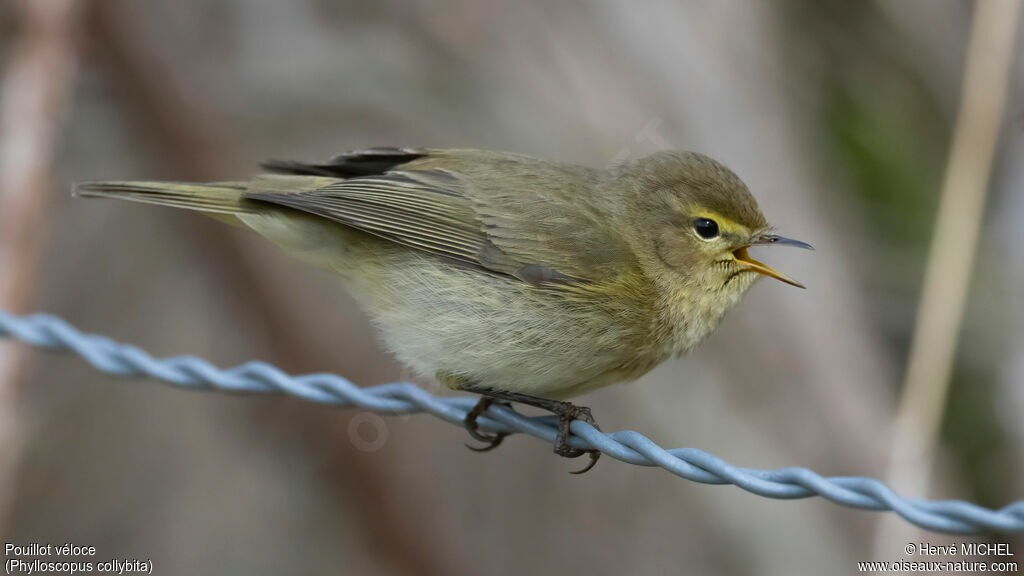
838 115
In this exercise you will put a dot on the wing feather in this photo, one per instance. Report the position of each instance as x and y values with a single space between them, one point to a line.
536 222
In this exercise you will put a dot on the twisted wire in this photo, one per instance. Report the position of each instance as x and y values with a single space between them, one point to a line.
112 357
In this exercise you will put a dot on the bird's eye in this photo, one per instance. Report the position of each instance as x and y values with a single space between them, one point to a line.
706 228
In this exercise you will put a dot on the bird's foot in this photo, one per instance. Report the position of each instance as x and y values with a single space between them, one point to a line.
567 412
491 441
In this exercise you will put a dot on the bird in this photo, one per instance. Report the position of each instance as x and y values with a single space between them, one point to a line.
519 279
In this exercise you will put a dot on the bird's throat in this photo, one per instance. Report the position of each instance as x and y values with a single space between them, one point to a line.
687 317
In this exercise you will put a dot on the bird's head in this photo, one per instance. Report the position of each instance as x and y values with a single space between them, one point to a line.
699 221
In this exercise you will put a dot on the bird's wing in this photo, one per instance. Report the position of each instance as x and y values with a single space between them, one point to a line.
530 222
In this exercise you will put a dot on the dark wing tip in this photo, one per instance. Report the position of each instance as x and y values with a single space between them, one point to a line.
367 162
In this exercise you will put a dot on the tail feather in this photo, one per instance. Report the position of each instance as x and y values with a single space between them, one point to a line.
214 198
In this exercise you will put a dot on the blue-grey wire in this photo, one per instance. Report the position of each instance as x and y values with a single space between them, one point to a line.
106 355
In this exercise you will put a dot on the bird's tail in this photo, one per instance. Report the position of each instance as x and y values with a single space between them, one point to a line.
214 198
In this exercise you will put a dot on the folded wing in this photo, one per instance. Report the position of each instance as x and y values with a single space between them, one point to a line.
533 222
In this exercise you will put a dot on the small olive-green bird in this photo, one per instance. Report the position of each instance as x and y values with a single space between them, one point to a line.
515 278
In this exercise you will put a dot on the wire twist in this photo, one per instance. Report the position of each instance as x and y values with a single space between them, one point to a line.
112 357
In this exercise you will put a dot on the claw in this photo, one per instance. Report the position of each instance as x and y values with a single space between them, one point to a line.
491 441
491 444
594 455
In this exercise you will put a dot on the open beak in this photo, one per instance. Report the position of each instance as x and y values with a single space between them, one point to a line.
742 255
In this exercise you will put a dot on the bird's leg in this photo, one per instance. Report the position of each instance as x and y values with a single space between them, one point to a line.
491 441
566 412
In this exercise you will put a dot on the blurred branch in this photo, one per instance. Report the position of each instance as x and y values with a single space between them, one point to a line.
951 256
185 139
35 88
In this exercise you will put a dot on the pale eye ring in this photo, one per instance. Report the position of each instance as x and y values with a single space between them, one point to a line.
706 228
